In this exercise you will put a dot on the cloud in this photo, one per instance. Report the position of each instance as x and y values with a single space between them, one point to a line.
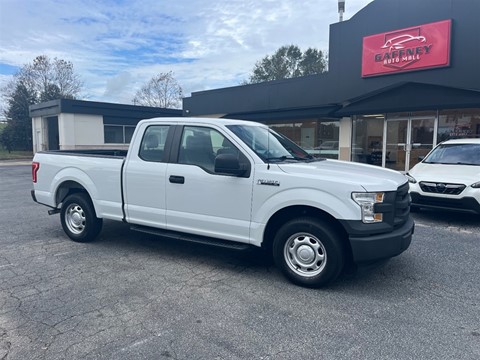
117 45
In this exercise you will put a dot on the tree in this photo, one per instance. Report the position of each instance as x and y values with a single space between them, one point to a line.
43 75
42 80
161 91
18 132
288 62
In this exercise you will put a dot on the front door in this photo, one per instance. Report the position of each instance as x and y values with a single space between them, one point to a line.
200 201
407 140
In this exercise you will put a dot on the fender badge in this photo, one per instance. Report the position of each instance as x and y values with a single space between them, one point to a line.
268 182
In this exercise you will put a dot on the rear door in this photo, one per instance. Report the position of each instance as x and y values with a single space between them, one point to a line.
200 201
144 178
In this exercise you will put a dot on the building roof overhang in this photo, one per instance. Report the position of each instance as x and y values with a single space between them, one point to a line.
326 111
69 106
410 96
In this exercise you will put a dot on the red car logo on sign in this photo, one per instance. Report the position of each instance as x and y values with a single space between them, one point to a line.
399 42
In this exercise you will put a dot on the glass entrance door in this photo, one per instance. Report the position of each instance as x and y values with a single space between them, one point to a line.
421 139
406 141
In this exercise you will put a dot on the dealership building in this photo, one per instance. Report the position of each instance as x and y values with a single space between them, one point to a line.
403 76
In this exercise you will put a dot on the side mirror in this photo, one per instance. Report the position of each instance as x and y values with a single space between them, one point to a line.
228 164
420 158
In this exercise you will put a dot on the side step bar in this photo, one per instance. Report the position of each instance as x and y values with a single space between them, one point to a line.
191 238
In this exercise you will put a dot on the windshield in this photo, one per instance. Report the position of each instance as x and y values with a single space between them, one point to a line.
455 154
269 145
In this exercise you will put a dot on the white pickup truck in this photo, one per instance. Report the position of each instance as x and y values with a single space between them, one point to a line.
236 184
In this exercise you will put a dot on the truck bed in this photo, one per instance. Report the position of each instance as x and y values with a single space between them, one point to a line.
90 152
98 171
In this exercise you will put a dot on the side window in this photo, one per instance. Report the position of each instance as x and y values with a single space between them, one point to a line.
200 146
153 143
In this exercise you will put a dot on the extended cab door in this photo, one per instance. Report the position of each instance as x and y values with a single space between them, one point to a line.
201 201
144 177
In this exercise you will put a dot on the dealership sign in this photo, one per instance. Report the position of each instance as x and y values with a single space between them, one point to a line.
416 48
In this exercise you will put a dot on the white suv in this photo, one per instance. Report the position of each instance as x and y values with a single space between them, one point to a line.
448 177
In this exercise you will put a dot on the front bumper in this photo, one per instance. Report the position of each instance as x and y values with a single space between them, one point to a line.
381 246
464 204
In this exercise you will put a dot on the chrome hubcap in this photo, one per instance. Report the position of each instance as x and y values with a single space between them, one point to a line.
305 254
75 219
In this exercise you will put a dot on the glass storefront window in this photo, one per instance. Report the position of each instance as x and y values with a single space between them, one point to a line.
458 123
367 135
318 137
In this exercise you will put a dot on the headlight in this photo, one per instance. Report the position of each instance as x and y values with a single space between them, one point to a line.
476 185
410 178
366 201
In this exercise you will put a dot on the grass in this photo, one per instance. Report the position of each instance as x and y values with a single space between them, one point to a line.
15 155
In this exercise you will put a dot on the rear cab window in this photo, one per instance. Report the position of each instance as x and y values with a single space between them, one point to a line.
152 147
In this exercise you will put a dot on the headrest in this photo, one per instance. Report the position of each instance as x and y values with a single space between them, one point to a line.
151 141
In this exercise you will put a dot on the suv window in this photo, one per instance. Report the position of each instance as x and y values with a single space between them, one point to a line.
461 154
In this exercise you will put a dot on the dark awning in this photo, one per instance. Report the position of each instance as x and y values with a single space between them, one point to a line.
288 114
411 97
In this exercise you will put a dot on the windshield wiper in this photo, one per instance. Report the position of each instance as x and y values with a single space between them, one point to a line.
466 163
279 158
450 163
294 158
439 162
284 158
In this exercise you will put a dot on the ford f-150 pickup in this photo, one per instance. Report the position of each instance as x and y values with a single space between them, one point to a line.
236 184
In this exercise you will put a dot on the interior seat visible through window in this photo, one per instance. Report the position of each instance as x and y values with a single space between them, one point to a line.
198 151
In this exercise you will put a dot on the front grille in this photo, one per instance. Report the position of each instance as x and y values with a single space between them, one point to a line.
395 207
402 206
441 188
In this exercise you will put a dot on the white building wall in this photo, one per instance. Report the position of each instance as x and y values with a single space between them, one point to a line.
80 131
39 134
345 139
89 130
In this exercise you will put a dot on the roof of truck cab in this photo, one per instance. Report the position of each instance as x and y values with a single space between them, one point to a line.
214 121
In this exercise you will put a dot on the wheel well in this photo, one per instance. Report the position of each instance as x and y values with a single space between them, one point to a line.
67 188
292 212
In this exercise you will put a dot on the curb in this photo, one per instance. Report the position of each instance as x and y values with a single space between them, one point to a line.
16 162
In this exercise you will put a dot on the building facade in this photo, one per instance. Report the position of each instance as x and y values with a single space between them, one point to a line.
66 124
403 76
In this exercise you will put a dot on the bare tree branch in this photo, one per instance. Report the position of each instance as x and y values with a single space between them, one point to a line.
161 91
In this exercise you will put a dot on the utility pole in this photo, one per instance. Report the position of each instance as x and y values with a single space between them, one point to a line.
341 9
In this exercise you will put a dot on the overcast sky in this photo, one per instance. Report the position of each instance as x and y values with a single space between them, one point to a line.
118 45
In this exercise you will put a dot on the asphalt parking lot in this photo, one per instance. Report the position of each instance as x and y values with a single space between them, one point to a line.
135 296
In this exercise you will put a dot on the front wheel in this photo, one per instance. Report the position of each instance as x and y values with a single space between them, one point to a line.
78 217
308 252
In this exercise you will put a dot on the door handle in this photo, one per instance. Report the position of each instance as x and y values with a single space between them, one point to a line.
174 179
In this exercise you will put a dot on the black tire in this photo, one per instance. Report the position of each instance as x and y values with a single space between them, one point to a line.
78 217
309 252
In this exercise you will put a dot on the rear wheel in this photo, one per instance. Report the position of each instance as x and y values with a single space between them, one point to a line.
308 252
78 217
